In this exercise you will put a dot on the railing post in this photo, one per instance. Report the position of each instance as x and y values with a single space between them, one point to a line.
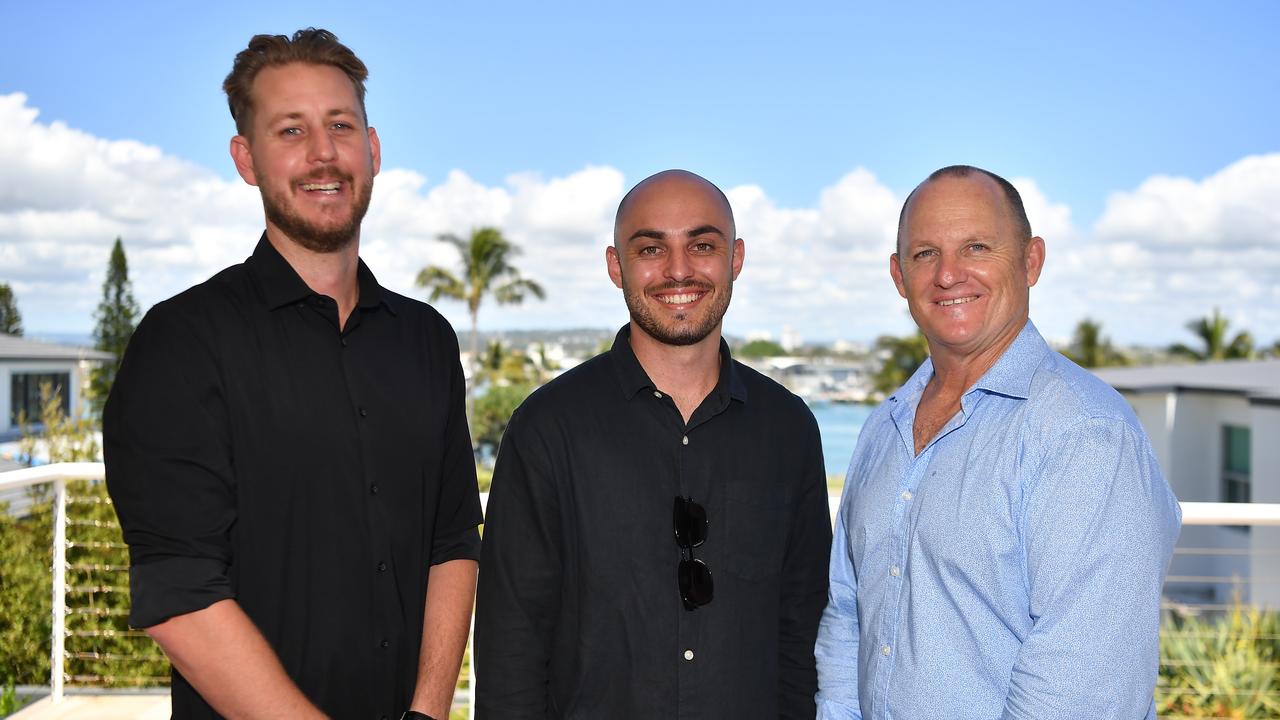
58 655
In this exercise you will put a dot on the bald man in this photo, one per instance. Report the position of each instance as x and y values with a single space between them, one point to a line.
1005 529
658 531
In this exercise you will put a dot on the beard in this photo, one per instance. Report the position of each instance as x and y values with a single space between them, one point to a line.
332 233
679 332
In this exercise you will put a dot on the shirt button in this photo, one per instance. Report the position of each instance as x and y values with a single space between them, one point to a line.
657 394
382 567
373 489
685 440
364 413
884 650
344 342
688 654
385 644
906 495
894 571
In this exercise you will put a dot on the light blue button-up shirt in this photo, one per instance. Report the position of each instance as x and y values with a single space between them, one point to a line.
1013 568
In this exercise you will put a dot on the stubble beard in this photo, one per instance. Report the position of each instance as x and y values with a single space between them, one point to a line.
320 238
681 334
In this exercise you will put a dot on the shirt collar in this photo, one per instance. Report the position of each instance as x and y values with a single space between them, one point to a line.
281 285
632 378
1011 375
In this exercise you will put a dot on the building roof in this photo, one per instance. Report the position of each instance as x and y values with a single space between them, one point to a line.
13 347
1253 378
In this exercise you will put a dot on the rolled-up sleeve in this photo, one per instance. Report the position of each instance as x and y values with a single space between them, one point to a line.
168 469
458 513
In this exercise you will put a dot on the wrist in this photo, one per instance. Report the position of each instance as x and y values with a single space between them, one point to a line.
415 715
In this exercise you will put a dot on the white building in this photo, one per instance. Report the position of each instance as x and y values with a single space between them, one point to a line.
1215 429
25 364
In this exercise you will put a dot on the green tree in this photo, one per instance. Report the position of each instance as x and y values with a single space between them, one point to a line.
486 270
116 318
1090 349
10 318
493 411
761 349
1213 333
903 356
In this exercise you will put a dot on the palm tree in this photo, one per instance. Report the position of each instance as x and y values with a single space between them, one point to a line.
1212 331
486 270
1090 349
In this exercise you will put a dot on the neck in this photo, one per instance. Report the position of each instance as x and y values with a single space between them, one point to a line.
687 373
331 274
956 372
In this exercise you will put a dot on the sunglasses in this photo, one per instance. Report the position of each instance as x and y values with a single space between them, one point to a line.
696 589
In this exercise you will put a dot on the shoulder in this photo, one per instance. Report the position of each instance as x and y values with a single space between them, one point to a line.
200 311
422 316
770 396
572 392
1062 394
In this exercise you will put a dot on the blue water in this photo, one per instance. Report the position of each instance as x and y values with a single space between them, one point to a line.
839 425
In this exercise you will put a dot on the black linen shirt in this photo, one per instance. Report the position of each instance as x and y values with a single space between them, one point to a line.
255 451
579 612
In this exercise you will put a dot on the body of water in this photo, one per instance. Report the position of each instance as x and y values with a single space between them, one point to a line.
839 424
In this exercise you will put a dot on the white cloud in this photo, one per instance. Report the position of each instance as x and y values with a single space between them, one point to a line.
1163 252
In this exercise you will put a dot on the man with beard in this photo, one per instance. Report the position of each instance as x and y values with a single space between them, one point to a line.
658 529
286 443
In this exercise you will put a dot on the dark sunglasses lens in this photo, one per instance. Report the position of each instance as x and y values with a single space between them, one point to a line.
696 588
690 522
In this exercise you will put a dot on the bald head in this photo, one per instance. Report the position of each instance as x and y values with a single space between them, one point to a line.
1010 198
671 184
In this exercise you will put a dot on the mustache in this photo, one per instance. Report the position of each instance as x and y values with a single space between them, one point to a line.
327 172
690 285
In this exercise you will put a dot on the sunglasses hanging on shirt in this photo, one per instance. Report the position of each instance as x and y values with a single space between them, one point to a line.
696 588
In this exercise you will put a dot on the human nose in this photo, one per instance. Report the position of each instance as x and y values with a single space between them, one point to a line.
678 267
321 148
949 271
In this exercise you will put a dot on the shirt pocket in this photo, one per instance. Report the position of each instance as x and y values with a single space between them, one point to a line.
755 535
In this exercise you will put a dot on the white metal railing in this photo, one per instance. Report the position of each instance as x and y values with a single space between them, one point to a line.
57 475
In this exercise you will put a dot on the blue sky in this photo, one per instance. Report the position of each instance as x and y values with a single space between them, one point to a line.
1120 120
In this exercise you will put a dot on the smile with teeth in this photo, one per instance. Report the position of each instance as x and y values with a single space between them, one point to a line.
957 301
328 188
683 298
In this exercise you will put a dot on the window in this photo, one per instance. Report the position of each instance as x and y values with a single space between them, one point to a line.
25 394
1235 464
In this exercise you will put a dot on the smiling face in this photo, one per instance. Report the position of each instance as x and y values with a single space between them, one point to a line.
310 154
675 258
964 269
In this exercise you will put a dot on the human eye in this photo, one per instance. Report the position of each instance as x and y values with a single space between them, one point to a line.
290 131
648 251
979 247
923 254
704 247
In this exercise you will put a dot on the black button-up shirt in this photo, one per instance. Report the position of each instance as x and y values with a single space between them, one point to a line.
579 612
255 451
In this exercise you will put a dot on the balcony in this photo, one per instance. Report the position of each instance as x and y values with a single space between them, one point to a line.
101 668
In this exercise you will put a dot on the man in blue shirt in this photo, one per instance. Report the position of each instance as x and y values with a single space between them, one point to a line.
1005 530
